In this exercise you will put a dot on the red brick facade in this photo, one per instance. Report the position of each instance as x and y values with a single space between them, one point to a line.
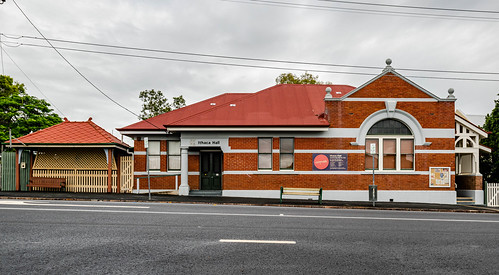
345 115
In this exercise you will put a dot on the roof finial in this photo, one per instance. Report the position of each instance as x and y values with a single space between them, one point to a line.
90 119
328 93
66 119
451 93
388 63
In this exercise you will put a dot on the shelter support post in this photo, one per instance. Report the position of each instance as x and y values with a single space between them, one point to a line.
118 173
184 169
18 172
109 170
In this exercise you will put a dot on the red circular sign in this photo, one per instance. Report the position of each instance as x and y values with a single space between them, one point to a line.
321 162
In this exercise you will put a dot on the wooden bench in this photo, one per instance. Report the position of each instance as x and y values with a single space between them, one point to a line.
47 182
302 192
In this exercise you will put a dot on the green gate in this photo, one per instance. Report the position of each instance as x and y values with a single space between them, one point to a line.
9 170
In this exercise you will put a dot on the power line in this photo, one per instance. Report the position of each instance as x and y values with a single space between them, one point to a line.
409 7
253 66
72 66
365 11
237 57
51 103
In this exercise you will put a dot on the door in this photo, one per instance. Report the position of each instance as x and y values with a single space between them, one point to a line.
211 170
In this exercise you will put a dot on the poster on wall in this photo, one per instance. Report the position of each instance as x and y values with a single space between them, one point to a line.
439 176
330 162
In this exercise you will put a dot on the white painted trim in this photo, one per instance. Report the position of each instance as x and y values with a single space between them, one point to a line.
391 99
387 70
442 197
471 126
319 151
405 117
365 172
242 151
143 132
434 151
439 133
249 129
156 173
486 149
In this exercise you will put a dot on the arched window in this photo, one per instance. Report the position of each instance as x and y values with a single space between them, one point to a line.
394 144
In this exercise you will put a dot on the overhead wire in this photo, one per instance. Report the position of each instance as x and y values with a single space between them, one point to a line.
258 66
408 6
17 37
36 86
74 68
364 11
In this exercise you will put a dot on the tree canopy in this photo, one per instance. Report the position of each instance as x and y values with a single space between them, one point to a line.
21 112
489 163
306 78
155 103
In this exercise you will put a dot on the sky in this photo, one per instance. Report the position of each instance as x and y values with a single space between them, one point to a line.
209 47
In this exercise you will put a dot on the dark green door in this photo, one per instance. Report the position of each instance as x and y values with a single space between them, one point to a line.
211 170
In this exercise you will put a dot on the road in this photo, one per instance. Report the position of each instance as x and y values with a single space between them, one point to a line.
59 237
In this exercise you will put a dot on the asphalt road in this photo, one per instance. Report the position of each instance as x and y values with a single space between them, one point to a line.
60 237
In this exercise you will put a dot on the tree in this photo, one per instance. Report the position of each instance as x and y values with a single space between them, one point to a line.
155 103
489 163
305 78
21 112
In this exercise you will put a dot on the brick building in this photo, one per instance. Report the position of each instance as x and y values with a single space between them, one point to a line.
251 144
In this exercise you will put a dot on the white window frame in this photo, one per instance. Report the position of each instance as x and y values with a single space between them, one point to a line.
174 155
271 154
380 139
154 155
281 153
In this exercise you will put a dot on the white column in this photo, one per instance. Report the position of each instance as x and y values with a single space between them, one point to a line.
183 189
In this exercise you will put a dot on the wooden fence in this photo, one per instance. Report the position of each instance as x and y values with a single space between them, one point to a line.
91 181
492 194
126 164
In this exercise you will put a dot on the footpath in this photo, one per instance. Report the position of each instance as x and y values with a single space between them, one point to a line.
218 200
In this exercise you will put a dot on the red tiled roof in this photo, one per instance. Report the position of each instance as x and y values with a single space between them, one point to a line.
282 105
158 122
71 132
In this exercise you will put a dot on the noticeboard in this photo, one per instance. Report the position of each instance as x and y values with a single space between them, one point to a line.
439 176
330 162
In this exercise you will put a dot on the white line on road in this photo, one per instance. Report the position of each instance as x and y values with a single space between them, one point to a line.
35 203
249 215
257 241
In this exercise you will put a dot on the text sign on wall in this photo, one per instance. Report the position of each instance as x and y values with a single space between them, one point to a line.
439 176
205 142
330 162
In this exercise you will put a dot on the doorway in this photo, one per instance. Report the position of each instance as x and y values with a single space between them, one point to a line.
211 170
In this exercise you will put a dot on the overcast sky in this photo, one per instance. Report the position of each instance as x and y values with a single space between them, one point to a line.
300 31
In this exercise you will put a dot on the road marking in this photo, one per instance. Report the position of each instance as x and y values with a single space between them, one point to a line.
249 215
257 241
35 203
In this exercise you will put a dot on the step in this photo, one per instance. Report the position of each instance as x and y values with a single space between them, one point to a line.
465 200
205 193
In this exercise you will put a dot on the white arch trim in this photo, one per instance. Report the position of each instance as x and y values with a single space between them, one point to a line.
406 118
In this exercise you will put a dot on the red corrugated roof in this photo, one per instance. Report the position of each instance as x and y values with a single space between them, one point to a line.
278 106
71 132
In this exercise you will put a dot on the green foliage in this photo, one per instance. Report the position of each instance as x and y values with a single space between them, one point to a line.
21 112
489 163
305 78
155 103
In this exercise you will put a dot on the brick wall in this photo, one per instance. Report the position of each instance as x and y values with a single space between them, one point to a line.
328 182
